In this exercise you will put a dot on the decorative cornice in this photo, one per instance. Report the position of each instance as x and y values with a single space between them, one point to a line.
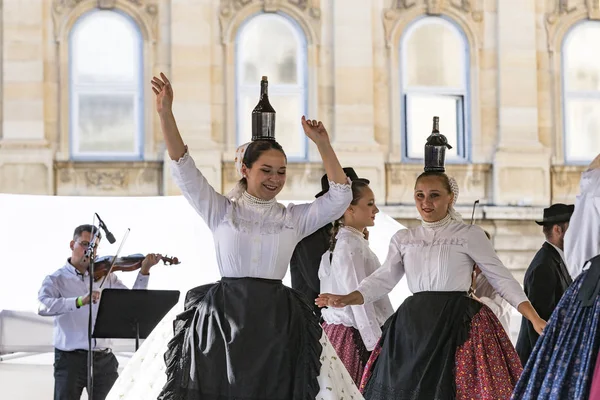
147 9
309 11
467 11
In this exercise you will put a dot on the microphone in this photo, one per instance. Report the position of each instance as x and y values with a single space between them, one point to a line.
109 236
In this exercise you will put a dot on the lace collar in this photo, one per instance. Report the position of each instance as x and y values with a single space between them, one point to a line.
437 224
354 231
255 202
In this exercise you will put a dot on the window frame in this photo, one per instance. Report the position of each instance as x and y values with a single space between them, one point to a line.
135 89
300 89
568 95
463 141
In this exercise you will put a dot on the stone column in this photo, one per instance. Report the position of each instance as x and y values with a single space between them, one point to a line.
25 157
354 118
522 164
191 57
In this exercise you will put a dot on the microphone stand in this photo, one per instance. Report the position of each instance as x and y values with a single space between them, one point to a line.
91 255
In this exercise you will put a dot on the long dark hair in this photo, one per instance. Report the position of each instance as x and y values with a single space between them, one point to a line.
357 191
255 150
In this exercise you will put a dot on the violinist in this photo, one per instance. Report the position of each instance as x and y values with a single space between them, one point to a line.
65 296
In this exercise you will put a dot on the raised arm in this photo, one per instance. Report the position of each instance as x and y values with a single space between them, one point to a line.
211 205
582 240
375 286
331 206
481 251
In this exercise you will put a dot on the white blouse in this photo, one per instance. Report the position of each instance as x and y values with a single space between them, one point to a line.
441 259
253 237
353 261
582 240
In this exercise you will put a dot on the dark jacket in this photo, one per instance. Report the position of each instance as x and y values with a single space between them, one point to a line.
305 262
546 280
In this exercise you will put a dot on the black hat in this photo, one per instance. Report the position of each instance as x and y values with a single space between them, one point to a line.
350 173
557 213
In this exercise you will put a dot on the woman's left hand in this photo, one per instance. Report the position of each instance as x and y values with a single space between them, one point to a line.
539 325
315 131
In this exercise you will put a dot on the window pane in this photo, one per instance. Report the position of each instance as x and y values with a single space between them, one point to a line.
288 130
583 127
267 45
435 55
582 66
106 123
419 121
105 47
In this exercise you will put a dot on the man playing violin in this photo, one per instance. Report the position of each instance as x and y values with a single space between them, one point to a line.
65 296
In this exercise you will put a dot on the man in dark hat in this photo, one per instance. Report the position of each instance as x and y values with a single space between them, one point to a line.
547 277
306 259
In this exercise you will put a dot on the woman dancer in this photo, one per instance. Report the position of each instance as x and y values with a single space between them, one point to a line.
353 331
440 344
248 336
564 363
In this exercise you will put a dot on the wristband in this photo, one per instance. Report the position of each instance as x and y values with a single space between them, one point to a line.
79 303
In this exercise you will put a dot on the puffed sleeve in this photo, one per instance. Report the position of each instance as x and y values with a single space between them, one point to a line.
327 208
384 279
209 204
349 270
582 239
480 249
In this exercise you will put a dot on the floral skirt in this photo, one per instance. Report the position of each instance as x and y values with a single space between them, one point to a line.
563 360
442 346
349 346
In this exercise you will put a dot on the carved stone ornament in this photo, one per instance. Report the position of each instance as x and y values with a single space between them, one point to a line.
309 8
106 180
564 14
470 9
148 9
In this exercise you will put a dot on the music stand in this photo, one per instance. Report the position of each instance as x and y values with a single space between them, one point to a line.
132 314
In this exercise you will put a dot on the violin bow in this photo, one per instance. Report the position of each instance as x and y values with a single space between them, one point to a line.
112 264
473 213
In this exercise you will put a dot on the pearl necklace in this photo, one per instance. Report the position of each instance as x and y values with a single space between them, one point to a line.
256 202
437 224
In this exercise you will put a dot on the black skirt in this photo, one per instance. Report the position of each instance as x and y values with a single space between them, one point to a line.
418 346
244 339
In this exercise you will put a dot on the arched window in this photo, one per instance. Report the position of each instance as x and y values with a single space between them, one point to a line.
274 46
581 92
105 82
434 82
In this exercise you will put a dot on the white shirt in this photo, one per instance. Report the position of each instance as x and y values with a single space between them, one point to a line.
254 237
57 297
490 297
353 261
582 240
441 259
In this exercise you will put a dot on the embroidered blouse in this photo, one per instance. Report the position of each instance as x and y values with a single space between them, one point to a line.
353 261
582 240
254 237
440 257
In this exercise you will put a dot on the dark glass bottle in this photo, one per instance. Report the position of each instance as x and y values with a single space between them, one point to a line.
435 149
263 115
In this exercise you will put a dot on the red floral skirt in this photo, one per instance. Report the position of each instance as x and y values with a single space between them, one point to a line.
484 364
349 347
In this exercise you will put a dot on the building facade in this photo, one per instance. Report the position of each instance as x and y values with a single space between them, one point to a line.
516 85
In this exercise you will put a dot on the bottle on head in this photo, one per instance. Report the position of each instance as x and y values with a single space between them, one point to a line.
435 149
263 115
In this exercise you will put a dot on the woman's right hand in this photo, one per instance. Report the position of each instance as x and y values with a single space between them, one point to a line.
164 93
338 301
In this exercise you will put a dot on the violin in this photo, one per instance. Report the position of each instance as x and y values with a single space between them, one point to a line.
103 265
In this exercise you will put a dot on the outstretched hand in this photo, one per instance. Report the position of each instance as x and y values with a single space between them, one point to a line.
315 131
339 301
164 93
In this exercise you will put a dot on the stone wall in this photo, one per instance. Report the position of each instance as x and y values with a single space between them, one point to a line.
516 164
